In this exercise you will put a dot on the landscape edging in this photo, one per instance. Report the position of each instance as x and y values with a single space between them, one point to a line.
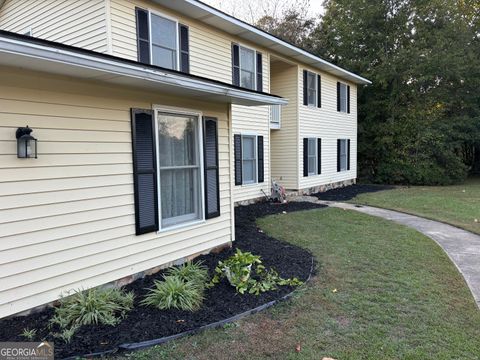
162 340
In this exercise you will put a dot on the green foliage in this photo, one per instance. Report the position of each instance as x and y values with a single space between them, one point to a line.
246 272
419 121
175 292
29 334
94 306
66 335
190 272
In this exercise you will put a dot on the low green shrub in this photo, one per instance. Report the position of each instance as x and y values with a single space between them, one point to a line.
175 292
29 334
94 306
246 273
190 272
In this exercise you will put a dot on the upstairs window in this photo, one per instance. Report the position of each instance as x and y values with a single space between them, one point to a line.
164 50
162 41
312 89
247 68
343 98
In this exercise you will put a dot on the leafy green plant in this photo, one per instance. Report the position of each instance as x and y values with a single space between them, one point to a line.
246 272
66 335
94 306
174 292
29 334
190 272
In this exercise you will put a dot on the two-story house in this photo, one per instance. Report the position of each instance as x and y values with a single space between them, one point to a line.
152 119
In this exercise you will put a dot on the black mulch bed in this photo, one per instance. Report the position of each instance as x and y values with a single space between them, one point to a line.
349 192
221 302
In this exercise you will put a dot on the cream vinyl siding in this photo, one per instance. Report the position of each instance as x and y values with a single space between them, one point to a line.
284 142
329 125
254 120
79 23
210 49
67 218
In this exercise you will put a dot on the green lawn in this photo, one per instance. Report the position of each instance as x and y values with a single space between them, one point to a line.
383 291
458 205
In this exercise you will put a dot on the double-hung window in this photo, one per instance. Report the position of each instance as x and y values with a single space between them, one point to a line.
312 156
311 89
162 41
249 159
164 44
343 156
247 68
179 141
343 98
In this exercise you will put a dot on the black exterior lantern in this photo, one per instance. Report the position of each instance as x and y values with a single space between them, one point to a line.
26 143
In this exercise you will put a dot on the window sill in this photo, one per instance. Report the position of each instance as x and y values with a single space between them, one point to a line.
250 184
181 226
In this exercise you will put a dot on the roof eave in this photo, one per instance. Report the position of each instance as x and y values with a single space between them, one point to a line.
39 56
261 37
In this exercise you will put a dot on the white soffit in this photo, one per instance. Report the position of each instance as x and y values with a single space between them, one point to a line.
35 55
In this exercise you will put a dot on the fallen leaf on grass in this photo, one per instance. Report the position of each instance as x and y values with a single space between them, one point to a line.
334 290
180 321
298 348
327 358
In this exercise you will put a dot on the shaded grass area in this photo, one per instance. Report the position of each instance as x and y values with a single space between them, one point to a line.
458 205
383 291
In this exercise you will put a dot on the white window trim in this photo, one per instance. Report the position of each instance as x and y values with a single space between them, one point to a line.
240 45
315 76
315 172
255 144
177 35
346 155
190 112
343 85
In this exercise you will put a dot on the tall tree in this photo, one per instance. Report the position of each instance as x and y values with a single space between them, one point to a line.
420 119
293 23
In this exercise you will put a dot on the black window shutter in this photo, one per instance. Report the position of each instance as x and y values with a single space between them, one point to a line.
143 36
211 170
305 156
144 171
339 144
237 149
261 166
259 72
305 87
348 154
319 156
184 49
235 65
338 96
319 91
348 99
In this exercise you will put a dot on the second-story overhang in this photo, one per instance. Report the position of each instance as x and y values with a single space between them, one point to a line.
49 57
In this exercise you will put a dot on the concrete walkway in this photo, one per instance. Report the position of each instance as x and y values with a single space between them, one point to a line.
463 247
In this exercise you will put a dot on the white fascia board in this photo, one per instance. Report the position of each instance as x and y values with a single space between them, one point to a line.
302 55
103 66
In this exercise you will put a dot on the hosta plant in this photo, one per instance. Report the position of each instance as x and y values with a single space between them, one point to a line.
246 273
